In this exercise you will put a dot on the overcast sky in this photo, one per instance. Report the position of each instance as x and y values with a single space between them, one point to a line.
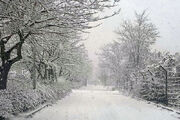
165 14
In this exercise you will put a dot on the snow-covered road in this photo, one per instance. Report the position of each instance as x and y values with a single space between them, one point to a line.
97 103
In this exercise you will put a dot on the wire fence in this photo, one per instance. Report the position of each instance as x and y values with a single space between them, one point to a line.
159 84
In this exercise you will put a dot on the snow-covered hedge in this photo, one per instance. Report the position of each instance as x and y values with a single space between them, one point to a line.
14 101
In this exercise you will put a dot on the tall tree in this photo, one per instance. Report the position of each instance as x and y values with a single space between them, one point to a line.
137 36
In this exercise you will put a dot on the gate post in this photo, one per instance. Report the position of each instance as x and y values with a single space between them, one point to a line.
166 84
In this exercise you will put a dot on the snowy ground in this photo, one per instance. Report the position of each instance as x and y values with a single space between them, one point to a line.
97 103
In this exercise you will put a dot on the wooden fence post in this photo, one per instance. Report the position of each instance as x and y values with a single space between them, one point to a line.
34 67
166 84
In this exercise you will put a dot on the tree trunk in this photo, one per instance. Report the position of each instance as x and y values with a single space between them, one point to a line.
4 74
6 60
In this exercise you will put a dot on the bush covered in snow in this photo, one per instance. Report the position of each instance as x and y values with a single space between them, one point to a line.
20 98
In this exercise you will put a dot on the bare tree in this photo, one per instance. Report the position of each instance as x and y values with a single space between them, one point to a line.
137 37
131 52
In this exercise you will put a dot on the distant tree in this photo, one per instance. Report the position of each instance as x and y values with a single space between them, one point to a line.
111 60
131 52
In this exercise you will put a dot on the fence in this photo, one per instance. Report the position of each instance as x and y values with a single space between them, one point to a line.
174 91
159 84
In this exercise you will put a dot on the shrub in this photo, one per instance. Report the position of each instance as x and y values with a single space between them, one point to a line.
20 99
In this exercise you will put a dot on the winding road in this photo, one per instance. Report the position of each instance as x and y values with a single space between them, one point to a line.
99 103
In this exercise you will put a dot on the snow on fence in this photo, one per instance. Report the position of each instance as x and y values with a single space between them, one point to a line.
158 84
174 91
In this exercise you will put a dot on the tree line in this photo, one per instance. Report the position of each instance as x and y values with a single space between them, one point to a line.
44 37
133 66
131 51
